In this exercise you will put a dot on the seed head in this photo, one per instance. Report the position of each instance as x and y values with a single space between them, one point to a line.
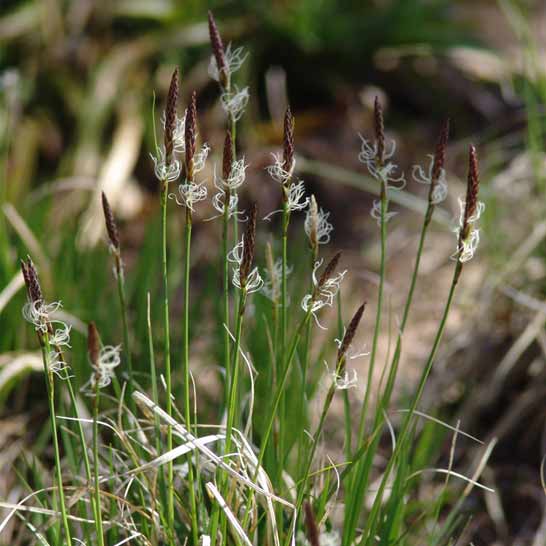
313 223
350 333
311 525
218 50
249 245
111 227
227 160
170 117
93 344
288 141
190 135
31 280
439 154
329 270
472 188
379 128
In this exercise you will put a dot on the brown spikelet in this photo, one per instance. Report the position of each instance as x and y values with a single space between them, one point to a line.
109 220
311 525
227 159
313 223
93 343
288 141
350 333
170 117
379 128
329 270
33 284
249 245
191 135
26 277
439 155
473 185
218 50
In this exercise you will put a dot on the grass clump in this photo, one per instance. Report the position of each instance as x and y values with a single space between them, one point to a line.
155 472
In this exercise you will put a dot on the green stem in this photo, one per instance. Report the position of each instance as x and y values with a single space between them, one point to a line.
167 356
316 436
186 371
279 391
282 352
125 322
406 425
50 386
225 266
356 498
377 328
98 515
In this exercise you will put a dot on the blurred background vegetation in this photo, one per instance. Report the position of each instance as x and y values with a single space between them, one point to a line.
77 85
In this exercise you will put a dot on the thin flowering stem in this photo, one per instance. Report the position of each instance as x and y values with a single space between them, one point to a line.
50 386
186 368
339 370
113 236
94 351
437 174
44 330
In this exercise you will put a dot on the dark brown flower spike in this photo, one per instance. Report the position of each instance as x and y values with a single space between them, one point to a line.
311 525
439 156
93 344
191 135
218 51
249 245
288 141
329 270
379 128
170 117
109 220
473 186
350 333
31 280
227 159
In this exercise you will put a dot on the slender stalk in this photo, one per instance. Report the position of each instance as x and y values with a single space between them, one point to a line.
125 321
50 386
98 515
406 425
279 391
225 266
167 351
284 305
362 468
234 386
377 327
186 370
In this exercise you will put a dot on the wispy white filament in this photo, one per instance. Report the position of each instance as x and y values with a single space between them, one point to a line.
323 227
466 249
277 169
234 102
170 172
254 281
189 194
440 190
234 60
386 174
311 303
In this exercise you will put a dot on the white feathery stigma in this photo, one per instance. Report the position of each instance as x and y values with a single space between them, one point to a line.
162 171
386 173
468 247
254 281
440 190
323 296
234 102
234 60
316 223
